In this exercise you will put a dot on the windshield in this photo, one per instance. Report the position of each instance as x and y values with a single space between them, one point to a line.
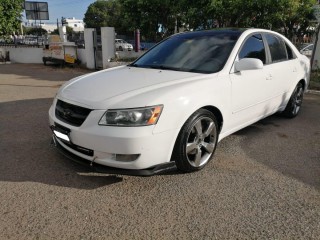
120 41
204 52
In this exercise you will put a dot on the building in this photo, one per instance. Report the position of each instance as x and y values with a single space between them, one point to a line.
49 27
76 24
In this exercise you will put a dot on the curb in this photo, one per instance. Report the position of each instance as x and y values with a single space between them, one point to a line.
313 92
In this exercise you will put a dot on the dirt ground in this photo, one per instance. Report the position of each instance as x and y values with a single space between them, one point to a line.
263 183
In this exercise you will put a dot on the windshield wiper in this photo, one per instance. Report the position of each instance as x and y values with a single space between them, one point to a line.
133 65
162 67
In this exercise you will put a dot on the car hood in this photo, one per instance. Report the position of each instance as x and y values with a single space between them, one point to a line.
91 89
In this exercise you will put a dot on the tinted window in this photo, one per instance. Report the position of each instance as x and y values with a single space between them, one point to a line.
253 48
277 48
205 52
290 52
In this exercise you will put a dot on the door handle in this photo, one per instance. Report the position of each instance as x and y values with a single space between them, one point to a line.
295 69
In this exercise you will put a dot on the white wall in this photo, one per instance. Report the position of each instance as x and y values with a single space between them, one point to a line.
86 55
316 61
89 52
129 54
25 55
108 48
34 55
81 52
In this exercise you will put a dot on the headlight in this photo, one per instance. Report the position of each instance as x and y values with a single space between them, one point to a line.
131 117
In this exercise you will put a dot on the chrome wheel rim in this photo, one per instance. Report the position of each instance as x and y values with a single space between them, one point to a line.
201 142
297 100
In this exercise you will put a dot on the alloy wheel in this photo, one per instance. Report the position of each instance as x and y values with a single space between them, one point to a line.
297 100
201 142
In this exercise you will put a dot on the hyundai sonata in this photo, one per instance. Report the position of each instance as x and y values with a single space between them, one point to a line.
176 102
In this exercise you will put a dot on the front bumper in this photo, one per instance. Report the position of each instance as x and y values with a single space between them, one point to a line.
106 142
161 168
129 48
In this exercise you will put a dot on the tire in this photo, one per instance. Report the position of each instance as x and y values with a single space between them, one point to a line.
293 107
196 142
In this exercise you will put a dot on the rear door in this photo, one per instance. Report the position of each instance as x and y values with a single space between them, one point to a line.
283 67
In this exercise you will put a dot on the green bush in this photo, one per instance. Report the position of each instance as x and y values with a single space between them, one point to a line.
315 80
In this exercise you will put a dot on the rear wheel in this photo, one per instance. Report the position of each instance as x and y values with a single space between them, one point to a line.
293 107
196 142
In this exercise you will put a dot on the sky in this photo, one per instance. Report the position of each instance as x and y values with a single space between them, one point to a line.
65 8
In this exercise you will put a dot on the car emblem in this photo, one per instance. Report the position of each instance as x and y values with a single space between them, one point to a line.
67 113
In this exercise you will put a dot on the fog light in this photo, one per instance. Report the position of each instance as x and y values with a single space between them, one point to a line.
125 157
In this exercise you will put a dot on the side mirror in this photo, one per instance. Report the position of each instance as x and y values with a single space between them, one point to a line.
248 64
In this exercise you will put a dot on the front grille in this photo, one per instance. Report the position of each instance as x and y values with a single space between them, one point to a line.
71 114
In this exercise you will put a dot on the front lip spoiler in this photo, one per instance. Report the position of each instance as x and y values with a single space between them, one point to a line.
95 167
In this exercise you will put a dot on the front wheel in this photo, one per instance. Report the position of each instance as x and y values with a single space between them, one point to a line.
293 107
196 141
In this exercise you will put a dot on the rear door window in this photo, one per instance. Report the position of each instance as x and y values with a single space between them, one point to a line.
290 53
277 48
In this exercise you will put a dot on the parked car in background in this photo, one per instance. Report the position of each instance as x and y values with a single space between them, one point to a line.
143 45
307 50
176 102
123 45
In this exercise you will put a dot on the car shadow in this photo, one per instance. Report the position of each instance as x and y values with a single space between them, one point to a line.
289 146
26 153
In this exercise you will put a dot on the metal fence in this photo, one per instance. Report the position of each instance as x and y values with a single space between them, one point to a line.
37 41
25 41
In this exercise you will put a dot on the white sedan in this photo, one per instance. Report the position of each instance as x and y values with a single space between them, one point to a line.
176 102
122 45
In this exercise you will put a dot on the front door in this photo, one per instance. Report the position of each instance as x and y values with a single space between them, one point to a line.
251 88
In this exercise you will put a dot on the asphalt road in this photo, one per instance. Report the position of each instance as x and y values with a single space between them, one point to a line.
263 183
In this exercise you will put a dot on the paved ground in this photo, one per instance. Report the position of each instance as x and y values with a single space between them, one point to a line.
264 182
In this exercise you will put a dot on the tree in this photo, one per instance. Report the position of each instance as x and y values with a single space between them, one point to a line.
55 32
157 19
105 13
34 31
69 31
10 16
280 15
296 17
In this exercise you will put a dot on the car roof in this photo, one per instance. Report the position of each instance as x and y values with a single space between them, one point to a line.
228 31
